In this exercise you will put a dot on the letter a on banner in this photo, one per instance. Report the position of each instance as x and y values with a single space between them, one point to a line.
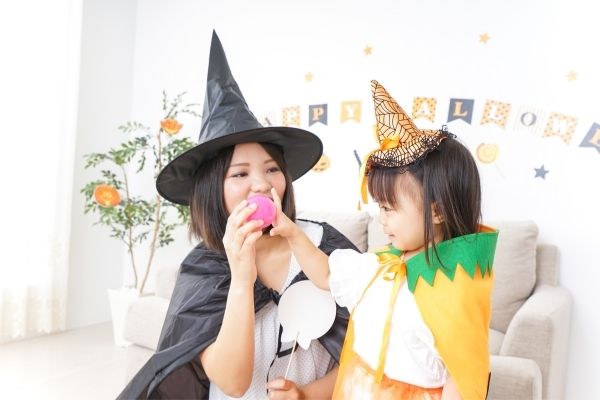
424 107
560 125
461 109
592 139
317 113
350 110
495 112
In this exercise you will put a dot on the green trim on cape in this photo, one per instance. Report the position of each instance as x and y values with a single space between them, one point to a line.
470 251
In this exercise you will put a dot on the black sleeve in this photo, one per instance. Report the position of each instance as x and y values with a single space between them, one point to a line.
333 239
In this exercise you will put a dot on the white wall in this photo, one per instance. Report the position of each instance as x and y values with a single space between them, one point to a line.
107 48
428 49
420 49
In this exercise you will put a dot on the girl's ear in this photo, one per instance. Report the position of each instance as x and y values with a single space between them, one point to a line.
436 214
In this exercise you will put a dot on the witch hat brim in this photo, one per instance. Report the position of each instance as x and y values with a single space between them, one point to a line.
227 121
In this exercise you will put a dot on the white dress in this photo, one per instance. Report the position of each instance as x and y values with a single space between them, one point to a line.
307 365
411 355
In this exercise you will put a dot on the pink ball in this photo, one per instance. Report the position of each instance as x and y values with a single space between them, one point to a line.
265 209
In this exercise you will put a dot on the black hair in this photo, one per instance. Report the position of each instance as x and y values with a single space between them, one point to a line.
208 214
446 178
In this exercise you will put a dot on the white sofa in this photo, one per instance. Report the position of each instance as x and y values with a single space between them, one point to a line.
530 317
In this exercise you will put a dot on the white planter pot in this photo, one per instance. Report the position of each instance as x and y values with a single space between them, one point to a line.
120 300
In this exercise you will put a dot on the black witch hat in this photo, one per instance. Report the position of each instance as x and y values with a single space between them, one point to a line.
227 121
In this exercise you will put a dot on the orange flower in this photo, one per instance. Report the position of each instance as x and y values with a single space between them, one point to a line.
106 195
171 126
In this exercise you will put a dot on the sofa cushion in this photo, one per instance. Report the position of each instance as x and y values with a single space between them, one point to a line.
514 270
353 225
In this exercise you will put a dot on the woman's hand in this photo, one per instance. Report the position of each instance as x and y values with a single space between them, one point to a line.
239 240
281 389
282 225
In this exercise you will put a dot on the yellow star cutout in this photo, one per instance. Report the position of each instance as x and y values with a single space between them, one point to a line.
572 76
484 37
368 50
308 77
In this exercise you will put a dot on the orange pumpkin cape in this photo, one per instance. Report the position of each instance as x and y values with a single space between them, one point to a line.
453 294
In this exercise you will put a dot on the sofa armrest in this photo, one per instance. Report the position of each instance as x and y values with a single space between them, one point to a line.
547 264
514 378
539 331
144 321
166 277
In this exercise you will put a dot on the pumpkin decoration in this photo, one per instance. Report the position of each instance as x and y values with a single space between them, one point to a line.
323 164
171 126
106 195
487 152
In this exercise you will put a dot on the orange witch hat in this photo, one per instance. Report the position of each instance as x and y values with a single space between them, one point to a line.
401 143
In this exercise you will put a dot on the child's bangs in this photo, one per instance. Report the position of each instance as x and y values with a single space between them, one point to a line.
382 185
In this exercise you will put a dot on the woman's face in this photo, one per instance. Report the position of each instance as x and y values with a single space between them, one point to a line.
252 171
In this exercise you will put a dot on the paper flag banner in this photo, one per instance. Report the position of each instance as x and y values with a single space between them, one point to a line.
592 139
350 110
291 116
461 109
305 312
267 118
528 119
317 113
561 125
424 107
495 112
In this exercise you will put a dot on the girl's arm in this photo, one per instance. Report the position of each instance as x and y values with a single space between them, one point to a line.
312 260
229 361
450 391
320 389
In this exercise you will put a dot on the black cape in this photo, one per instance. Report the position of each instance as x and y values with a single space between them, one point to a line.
194 319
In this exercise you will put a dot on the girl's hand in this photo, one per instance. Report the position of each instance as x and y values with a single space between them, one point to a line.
282 225
281 389
239 240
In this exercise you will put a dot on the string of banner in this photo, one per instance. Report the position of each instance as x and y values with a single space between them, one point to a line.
494 112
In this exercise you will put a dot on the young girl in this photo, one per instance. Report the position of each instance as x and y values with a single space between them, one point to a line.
222 338
421 305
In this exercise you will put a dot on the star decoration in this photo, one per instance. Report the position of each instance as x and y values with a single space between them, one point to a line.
484 37
368 50
541 172
572 76
308 77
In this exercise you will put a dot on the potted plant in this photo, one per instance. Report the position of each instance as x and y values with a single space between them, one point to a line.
133 218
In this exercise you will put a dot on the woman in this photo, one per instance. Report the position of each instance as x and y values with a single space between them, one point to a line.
222 337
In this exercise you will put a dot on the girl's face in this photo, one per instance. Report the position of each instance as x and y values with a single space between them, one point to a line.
403 223
252 171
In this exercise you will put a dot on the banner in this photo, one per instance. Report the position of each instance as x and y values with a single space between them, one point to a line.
291 116
350 111
592 139
561 125
317 113
424 107
495 112
461 109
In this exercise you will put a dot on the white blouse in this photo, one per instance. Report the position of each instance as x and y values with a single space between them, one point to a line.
411 356
307 365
